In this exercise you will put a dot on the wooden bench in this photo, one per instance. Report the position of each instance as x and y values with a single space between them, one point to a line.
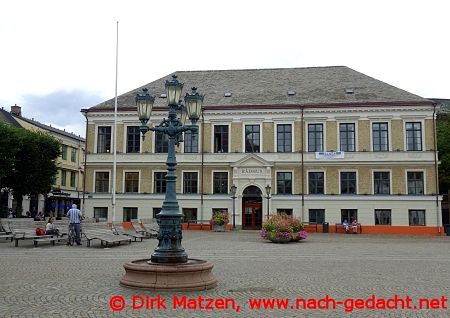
339 226
119 229
201 222
104 236
310 226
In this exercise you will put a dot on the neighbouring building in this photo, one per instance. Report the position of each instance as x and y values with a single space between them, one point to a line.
68 186
333 144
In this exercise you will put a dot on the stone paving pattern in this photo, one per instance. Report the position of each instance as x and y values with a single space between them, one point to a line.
63 281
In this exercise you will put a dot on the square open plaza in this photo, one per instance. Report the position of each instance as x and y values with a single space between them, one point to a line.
62 281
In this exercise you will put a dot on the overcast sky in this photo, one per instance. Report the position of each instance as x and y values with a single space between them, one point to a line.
57 57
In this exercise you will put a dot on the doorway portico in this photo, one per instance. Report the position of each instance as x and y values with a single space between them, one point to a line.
251 175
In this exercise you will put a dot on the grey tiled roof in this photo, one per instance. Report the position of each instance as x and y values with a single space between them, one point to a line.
51 129
313 85
6 118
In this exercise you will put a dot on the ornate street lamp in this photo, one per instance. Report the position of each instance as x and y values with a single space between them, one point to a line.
268 188
233 196
169 249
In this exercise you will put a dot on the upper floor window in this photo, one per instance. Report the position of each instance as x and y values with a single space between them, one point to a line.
131 181
64 152
104 139
315 137
161 142
252 138
63 177
190 142
159 182
190 182
73 155
347 137
284 182
73 179
316 183
220 182
348 182
414 136
102 181
381 182
221 138
133 139
284 138
415 182
380 139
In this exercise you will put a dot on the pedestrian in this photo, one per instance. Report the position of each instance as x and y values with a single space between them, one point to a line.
75 218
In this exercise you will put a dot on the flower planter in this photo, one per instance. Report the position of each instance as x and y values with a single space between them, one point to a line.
219 228
280 239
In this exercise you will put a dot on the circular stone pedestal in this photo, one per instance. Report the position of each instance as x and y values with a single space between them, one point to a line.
195 274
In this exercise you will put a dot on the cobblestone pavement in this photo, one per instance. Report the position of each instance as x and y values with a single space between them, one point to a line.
63 281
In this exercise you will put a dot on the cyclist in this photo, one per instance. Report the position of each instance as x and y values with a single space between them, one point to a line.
75 218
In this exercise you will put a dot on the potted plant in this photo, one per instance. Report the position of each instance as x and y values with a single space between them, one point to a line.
219 221
283 229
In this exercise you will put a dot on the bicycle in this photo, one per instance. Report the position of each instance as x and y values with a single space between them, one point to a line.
71 235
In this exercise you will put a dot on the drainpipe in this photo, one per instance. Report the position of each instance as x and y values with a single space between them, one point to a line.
436 170
303 168
202 164
84 112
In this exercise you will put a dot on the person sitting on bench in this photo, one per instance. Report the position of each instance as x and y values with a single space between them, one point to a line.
355 226
50 228
346 226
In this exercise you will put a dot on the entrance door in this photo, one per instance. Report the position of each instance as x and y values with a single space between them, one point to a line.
252 209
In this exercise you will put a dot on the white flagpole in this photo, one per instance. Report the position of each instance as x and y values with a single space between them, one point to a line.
115 133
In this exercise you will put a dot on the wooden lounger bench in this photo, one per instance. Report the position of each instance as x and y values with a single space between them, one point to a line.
339 227
104 236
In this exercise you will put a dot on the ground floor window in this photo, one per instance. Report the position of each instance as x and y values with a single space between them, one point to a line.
130 214
416 217
349 215
189 214
156 211
100 213
316 216
284 211
382 217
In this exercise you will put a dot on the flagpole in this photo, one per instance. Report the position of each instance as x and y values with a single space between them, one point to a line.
113 189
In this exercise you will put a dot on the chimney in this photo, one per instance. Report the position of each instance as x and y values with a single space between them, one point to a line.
16 110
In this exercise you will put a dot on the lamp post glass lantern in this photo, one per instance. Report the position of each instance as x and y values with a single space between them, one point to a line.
268 188
169 249
233 196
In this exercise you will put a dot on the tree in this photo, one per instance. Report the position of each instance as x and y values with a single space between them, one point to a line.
8 149
443 145
35 165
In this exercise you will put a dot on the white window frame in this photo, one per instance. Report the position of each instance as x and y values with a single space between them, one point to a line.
357 180
324 181
96 137
153 180
292 180
212 183
212 136
109 181
276 135
338 133
373 181
324 129
125 138
261 150
198 181
424 180
422 125
389 134
139 180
